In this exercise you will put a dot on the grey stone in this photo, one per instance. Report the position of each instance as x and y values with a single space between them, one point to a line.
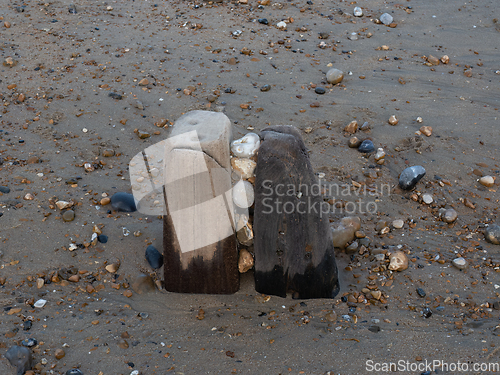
386 19
20 357
154 257
449 215
68 215
123 202
410 176
492 234
334 76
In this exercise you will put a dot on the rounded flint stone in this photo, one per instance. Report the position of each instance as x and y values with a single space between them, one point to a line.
20 357
154 258
366 146
410 176
492 234
74 371
123 202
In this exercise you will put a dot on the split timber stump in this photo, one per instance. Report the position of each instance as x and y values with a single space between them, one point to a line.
200 249
293 244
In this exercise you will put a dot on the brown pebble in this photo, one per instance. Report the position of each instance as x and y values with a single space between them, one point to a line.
468 73
433 60
201 314
11 86
21 97
354 142
40 282
393 120
108 152
59 354
352 127
144 82
128 293
315 105
105 201
445 59
143 135
123 344
426 130
7 24
74 278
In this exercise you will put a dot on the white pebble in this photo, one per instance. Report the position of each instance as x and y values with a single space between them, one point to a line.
380 154
487 181
40 303
358 12
460 263
85 130
420 119
398 223
281 25
427 198
243 195
246 146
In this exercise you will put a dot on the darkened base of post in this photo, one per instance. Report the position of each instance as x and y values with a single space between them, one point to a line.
219 275
293 244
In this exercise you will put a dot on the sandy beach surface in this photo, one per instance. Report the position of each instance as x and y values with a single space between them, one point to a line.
164 58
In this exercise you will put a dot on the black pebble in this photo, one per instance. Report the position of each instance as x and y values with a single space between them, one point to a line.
366 146
154 258
74 371
265 88
29 342
427 313
72 9
263 21
421 292
319 90
102 238
4 189
123 202
410 176
27 325
114 95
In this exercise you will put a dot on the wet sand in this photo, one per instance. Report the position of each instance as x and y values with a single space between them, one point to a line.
67 64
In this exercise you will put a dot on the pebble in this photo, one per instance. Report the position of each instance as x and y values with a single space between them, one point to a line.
460 263
20 357
143 134
245 261
366 146
263 21
492 234
319 90
29 197
281 25
445 59
4 189
487 181
386 19
353 36
244 166
123 202
334 76
30 342
398 261
374 329
59 354
344 233
380 154
398 223
427 199
393 120
243 194
68 215
380 257
115 95
72 9
331 316
421 292
143 284
358 12
102 238
353 246
426 130
449 215
265 88
74 371
433 60
63 205
410 176
246 146
108 152
354 142
40 303
144 82
154 257
426 312
352 127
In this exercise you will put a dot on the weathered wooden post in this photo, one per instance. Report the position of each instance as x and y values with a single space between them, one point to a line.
293 243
